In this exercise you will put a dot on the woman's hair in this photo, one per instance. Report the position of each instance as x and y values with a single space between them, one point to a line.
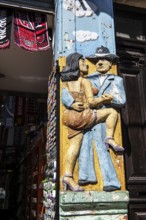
71 71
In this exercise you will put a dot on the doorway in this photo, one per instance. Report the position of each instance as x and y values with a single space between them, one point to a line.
130 27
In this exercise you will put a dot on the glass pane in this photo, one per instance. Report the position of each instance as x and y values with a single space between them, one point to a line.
130 26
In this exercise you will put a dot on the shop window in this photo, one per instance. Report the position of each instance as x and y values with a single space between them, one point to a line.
129 25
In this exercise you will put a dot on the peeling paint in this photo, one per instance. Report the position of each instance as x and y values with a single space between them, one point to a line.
126 198
115 93
99 23
69 45
118 164
80 8
116 197
107 25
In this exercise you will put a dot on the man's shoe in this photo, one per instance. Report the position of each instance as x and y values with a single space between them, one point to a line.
86 182
110 188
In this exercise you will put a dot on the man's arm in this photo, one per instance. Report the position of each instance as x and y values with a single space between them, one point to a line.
94 102
118 93
67 99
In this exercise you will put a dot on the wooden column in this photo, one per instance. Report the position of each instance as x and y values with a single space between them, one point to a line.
83 28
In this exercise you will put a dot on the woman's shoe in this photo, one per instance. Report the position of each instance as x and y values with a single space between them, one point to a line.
116 148
67 185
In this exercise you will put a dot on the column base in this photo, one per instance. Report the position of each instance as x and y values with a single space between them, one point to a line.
94 205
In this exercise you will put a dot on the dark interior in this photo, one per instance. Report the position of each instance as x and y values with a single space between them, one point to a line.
23 120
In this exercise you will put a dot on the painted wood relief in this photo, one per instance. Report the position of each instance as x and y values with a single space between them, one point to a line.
89 101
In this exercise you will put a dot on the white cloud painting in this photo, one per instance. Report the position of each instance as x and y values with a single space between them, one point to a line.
83 36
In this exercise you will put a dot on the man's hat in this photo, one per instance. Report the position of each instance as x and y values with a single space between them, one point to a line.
103 52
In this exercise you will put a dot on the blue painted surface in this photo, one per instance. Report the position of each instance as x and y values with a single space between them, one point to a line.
94 19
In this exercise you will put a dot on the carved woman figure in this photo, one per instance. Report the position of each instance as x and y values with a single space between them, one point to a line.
83 114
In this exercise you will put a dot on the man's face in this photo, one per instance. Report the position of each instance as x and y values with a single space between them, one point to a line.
83 66
103 65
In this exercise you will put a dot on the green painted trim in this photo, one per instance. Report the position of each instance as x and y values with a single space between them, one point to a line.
96 196
92 203
90 217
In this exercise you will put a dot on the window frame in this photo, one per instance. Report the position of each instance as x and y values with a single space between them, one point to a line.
33 5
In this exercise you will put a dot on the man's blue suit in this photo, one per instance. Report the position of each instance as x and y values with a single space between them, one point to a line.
112 85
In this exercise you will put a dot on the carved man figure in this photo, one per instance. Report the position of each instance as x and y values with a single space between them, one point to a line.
105 83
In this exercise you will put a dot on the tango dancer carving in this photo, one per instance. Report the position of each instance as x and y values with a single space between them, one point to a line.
83 111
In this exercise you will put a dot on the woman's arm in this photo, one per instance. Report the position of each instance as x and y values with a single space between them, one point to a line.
69 102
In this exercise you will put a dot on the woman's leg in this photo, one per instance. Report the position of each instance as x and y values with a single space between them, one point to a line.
110 116
71 158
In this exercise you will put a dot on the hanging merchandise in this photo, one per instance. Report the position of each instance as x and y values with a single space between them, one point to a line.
9 111
5 27
31 111
19 118
30 31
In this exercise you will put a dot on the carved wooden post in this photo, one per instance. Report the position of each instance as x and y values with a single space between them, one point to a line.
82 26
